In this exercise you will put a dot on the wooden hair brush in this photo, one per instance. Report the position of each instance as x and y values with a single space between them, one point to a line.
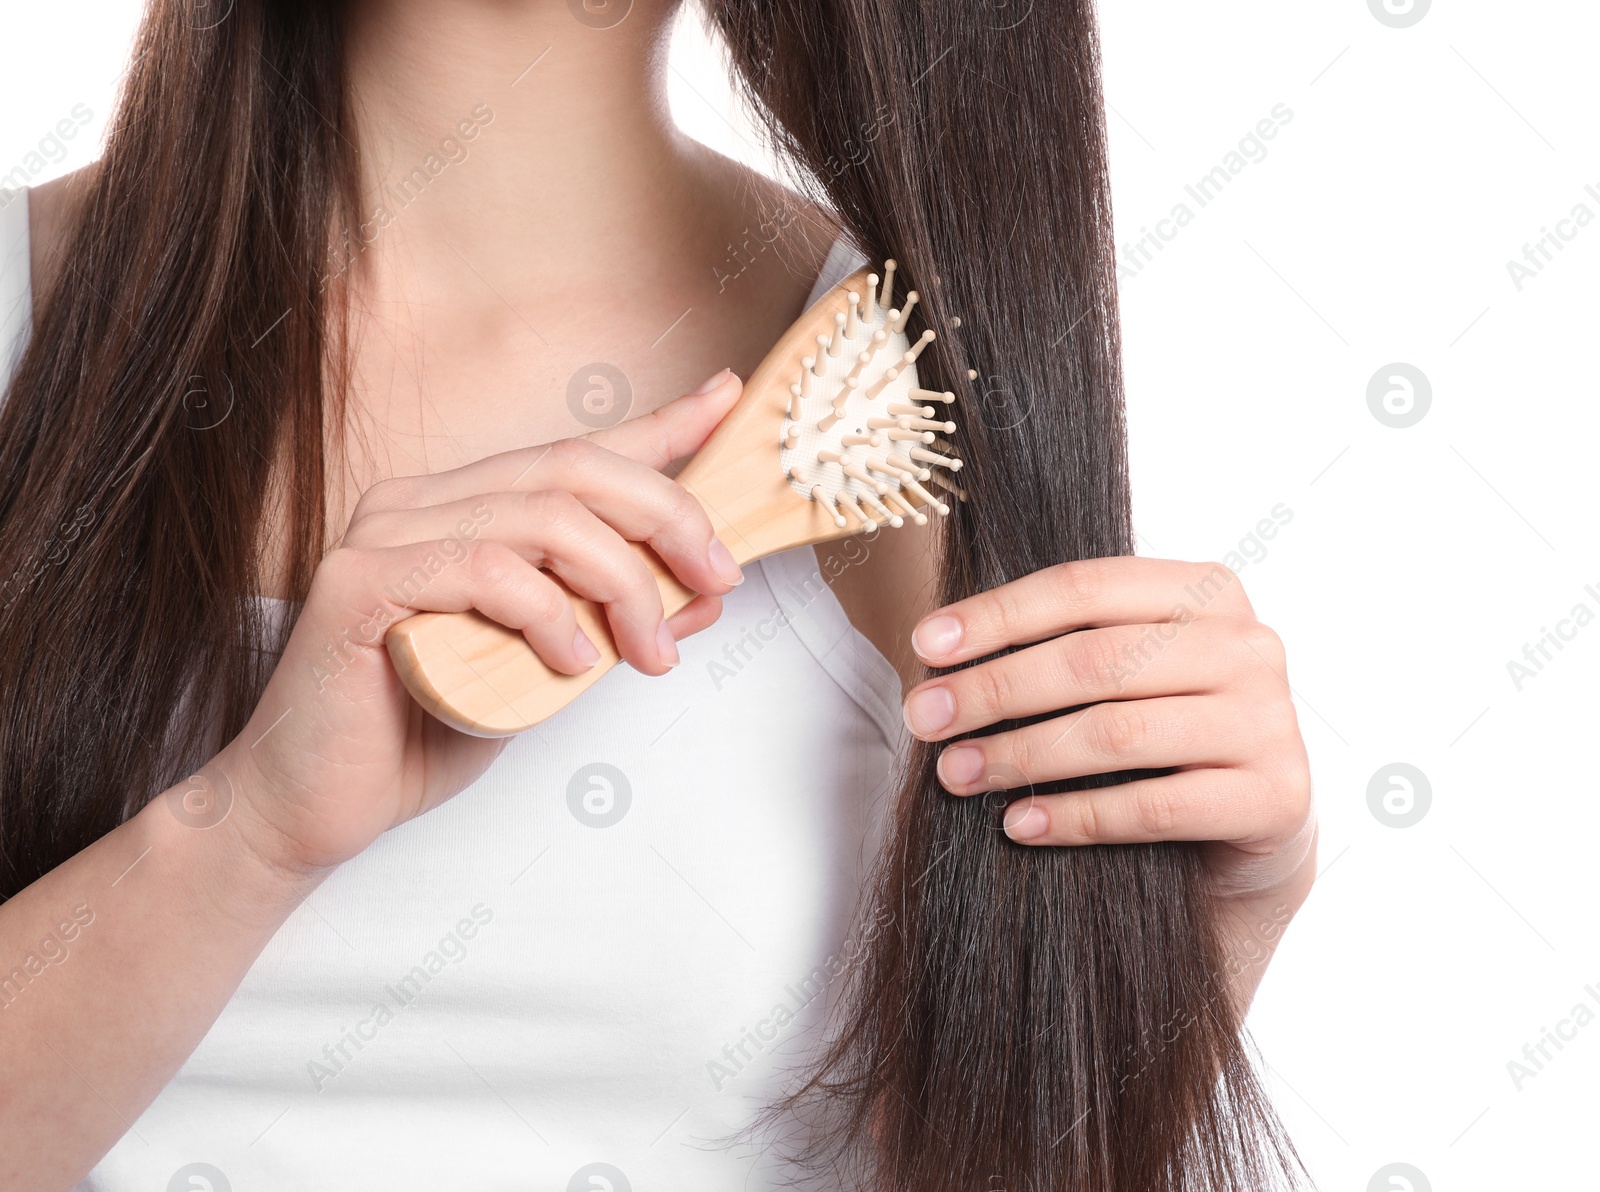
832 436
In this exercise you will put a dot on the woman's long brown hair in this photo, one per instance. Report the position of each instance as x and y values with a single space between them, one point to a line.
177 362
1030 1019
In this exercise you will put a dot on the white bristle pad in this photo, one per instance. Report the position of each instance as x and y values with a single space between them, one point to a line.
830 477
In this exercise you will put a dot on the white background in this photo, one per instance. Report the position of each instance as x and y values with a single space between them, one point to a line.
1418 561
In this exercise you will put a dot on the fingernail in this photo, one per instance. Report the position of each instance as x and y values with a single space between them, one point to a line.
930 711
668 646
1024 821
960 766
936 637
722 563
584 649
711 383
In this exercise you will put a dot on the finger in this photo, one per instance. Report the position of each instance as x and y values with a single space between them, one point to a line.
638 504
589 556
678 428
1179 730
700 613
1203 804
376 588
644 506
555 531
1079 595
1118 662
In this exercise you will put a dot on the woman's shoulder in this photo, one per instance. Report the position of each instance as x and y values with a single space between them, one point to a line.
15 287
52 211
35 225
783 234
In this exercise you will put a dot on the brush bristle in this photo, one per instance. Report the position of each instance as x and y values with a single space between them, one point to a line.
858 428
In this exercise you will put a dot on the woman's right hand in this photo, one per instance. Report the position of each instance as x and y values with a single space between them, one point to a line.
337 752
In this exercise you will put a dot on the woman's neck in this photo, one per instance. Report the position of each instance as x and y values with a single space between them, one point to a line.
530 209
495 133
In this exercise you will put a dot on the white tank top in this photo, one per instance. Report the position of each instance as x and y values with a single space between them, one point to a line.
589 969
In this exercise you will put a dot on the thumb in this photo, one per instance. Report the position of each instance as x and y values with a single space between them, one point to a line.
676 429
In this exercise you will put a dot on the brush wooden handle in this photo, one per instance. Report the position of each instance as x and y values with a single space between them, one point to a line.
481 678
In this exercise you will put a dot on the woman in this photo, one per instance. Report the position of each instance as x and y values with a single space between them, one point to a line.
327 312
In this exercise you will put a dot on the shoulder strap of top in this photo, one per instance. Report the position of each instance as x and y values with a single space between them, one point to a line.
16 296
844 258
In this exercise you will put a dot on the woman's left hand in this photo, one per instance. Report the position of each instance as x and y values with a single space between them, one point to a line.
1177 674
